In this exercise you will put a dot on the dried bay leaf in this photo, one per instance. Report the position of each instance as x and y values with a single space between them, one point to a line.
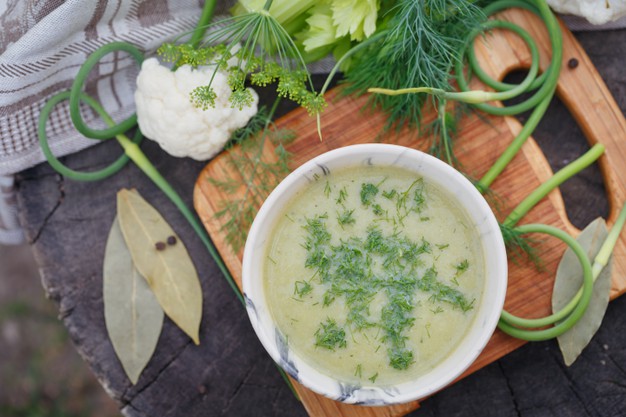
132 314
170 272
569 279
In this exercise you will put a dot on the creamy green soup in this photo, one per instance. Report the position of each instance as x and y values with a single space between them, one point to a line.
372 275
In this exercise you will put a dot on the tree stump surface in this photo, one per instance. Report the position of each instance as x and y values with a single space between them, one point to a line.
229 373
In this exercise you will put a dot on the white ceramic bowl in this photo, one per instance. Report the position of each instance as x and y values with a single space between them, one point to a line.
488 311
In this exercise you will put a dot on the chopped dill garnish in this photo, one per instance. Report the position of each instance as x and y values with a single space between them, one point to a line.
377 209
327 189
328 299
368 192
401 359
441 292
437 310
346 217
343 195
302 288
389 194
359 371
357 269
317 240
373 378
419 199
462 266
443 246
330 336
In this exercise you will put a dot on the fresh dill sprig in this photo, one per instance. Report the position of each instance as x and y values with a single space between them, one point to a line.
420 46
256 174
252 47
255 125
519 246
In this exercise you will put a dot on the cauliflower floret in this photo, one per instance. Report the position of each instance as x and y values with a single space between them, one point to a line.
166 115
597 12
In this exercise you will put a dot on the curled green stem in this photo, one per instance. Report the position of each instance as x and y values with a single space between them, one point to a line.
557 179
569 315
564 319
541 99
134 153
207 14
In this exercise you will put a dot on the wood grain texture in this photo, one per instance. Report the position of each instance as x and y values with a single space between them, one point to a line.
480 141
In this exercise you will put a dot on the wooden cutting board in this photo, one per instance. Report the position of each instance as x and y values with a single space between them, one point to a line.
479 142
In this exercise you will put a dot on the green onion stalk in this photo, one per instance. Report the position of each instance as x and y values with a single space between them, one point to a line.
568 316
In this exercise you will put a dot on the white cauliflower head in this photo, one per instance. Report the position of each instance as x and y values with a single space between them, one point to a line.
166 115
597 12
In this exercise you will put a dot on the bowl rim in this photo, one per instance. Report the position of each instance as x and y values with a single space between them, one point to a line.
480 330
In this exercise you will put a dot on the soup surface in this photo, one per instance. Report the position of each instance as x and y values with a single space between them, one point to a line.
372 274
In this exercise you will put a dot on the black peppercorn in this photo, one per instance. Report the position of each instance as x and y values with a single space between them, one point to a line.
171 240
159 246
572 63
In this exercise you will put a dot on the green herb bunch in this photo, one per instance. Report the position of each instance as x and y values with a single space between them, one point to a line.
258 172
418 45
